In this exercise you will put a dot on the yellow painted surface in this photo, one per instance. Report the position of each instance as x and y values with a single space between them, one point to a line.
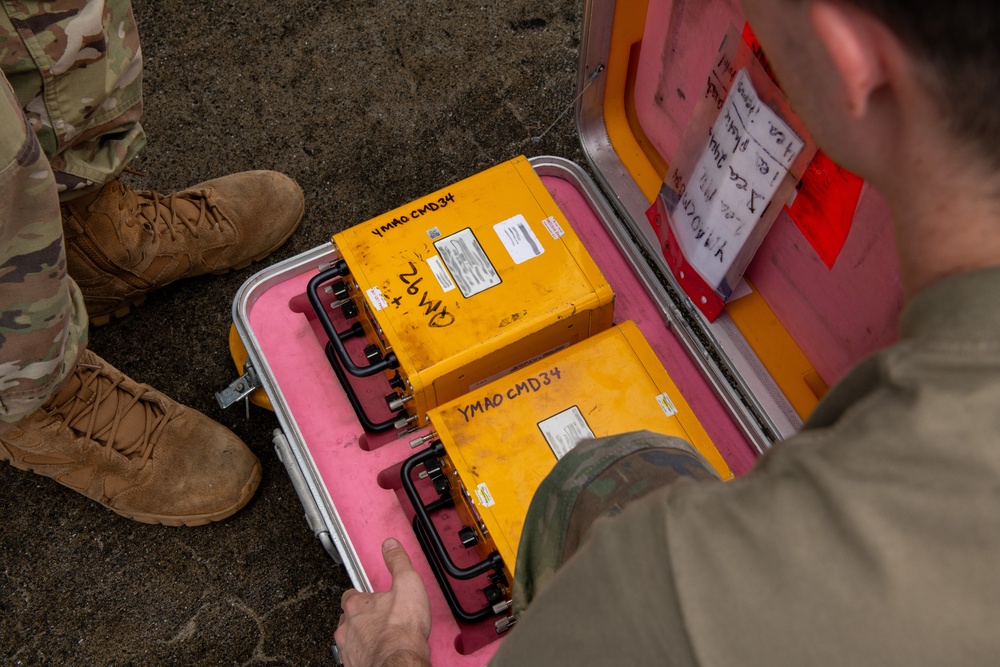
494 437
785 361
626 37
506 294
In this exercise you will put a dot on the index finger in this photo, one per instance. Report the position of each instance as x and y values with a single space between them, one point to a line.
396 559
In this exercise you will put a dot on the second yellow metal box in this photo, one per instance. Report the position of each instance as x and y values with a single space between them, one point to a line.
501 441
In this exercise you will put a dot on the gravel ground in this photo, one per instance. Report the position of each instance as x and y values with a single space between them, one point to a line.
368 104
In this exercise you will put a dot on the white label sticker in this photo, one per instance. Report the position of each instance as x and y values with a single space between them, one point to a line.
565 430
434 233
485 498
517 237
376 299
553 226
441 273
468 264
668 407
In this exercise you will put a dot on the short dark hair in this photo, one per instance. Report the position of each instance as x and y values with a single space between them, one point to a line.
960 43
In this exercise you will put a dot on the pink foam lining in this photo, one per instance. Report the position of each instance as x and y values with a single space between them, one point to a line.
332 434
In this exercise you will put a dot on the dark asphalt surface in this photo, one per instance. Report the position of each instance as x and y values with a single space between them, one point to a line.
368 104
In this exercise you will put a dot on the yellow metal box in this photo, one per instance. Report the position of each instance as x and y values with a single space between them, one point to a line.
467 284
496 444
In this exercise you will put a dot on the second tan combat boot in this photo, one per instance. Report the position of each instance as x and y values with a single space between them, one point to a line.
134 450
122 244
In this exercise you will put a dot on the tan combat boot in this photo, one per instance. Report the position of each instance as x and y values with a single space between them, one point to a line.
122 244
134 450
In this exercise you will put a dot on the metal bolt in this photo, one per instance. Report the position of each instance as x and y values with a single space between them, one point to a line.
416 442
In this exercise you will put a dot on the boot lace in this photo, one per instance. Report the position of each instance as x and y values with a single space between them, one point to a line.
82 412
173 212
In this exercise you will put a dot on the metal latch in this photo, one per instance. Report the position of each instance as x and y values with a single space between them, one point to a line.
240 388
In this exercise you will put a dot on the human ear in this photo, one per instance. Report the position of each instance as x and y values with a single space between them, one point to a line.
850 40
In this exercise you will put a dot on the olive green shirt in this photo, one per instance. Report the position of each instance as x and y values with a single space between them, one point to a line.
870 538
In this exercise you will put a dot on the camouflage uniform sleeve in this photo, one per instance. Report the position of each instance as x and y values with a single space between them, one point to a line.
597 478
76 69
43 323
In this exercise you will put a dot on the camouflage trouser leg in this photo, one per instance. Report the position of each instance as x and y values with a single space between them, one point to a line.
76 68
597 478
43 323
69 122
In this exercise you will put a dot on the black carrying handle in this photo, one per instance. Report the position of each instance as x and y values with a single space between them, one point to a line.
449 593
338 270
359 410
336 353
491 562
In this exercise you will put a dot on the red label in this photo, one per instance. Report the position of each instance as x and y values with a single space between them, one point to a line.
824 207
828 195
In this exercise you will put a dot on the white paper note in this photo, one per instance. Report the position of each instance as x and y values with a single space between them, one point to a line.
750 149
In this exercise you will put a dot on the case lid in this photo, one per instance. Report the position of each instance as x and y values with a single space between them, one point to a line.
823 290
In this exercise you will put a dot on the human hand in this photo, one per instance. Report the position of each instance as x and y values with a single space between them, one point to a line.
389 628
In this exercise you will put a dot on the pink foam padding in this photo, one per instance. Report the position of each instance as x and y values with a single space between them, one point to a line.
836 316
331 431
679 46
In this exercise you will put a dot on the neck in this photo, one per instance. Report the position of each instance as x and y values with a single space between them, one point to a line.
946 214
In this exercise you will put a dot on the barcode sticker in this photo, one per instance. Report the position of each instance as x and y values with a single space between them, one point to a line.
376 299
441 273
563 431
484 495
467 262
553 227
668 407
519 239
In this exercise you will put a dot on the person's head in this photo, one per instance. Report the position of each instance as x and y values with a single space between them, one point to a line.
857 70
